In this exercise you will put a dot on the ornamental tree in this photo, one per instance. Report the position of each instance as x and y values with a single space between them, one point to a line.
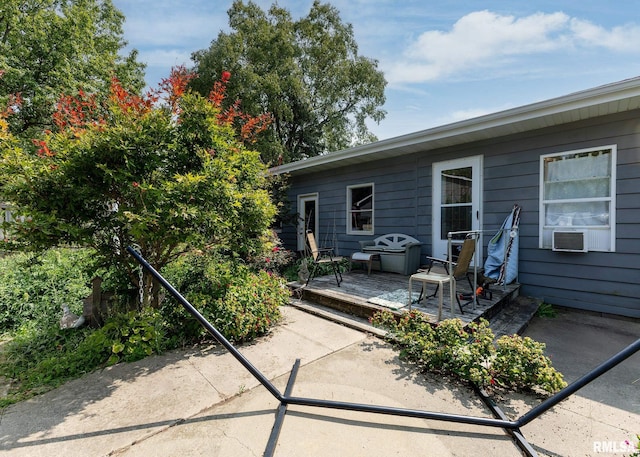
168 171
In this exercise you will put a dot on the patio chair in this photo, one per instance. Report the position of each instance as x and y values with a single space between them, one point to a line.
460 271
322 256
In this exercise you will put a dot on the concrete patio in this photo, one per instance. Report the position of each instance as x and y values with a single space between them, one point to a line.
200 401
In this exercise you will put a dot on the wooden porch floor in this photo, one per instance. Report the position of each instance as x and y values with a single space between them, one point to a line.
360 295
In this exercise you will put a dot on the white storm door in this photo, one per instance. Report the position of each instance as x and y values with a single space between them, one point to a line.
307 218
457 193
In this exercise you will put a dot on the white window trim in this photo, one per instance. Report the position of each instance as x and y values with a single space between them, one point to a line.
350 231
611 199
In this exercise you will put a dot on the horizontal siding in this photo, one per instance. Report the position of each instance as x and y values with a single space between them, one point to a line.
605 282
595 281
591 301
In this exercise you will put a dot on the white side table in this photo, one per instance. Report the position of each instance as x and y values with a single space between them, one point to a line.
366 258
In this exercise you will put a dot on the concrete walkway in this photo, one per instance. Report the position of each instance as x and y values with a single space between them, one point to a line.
203 402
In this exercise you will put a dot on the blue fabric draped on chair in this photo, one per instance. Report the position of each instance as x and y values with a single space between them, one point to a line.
502 252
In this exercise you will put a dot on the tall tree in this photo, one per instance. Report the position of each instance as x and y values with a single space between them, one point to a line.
306 73
51 47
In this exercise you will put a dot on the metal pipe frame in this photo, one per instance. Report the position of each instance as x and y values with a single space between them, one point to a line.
510 426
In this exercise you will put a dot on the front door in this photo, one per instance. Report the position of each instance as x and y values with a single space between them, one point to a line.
457 191
307 218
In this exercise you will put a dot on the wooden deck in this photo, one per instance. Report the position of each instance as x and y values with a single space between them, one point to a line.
361 296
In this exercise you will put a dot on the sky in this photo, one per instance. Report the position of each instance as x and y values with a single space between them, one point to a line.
444 61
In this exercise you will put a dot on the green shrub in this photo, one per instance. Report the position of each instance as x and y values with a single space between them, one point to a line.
470 354
164 176
413 332
131 336
34 287
290 272
31 344
546 310
274 257
39 359
466 353
520 362
241 303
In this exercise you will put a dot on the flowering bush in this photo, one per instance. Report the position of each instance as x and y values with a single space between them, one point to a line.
250 306
512 362
520 362
274 258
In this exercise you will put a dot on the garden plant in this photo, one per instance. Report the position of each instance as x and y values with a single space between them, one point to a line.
470 354
170 172
243 300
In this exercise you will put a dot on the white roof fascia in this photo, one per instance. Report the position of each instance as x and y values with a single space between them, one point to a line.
601 95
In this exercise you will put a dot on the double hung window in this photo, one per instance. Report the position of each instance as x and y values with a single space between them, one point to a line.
577 192
360 209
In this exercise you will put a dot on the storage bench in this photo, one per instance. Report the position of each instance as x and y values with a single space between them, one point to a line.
399 253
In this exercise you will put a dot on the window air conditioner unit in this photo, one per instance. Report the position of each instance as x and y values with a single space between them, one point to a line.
569 241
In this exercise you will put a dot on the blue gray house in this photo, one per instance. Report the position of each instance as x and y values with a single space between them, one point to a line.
572 163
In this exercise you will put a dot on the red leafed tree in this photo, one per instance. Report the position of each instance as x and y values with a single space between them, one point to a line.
249 126
167 171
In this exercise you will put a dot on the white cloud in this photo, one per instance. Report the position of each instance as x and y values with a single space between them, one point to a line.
484 39
482 34
623 38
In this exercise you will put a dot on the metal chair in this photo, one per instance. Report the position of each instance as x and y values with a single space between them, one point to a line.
322 256
460 270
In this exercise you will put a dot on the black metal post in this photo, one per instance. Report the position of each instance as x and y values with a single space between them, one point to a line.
282 410
515 433
575 386
388 410
210 328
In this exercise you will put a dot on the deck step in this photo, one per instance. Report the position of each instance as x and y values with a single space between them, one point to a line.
360 296
348 320
513 319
